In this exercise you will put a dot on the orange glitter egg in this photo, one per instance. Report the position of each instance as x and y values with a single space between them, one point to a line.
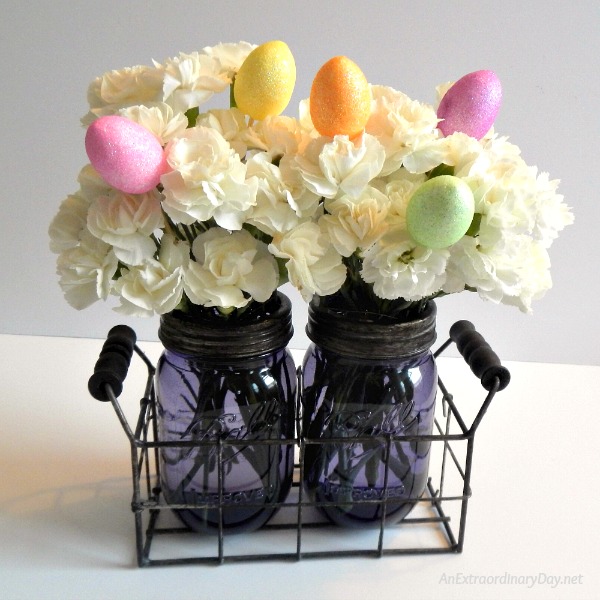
340 98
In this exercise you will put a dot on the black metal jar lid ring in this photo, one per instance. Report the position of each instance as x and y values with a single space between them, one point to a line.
360 337
219 340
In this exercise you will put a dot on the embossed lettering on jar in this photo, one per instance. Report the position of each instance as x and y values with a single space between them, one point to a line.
367 386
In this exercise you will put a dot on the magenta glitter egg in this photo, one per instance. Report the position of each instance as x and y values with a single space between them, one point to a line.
126 155
471 104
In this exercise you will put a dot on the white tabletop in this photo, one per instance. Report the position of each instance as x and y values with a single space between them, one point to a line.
67 531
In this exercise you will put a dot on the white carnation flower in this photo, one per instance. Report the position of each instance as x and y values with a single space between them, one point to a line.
159 119
399 187
504 204
498 157
230 56
457 150
126 222
231 124
356 223
312 263
121 88
208 181
515 271
518 200
281 200
552 214
85 271
304 202
398 268
489 271
155 286
191 79
91 184
340 165
68 224
405 128
468 267
230 269
534 274
280 135
530 205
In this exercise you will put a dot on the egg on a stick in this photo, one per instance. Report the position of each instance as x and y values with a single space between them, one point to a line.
471 105
340 98
126 155
440 212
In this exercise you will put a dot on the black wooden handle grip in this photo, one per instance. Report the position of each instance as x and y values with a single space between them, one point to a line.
478 354
113 363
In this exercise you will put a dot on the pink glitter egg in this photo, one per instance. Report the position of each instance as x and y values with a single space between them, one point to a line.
125 154
471 104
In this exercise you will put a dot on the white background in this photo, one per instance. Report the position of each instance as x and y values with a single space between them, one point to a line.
545 53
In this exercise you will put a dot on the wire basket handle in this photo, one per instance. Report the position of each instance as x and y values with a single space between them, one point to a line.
113 363
478 354
484 364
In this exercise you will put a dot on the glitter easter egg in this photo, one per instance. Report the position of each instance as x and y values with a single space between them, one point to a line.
471 104
125 154
340 98
265 82
440 212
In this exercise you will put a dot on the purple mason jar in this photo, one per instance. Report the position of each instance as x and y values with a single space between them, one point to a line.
225 395
368 382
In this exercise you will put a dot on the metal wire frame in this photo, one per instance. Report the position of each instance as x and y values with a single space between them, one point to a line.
148 504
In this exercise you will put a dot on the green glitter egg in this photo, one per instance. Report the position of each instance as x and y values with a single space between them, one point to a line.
440 212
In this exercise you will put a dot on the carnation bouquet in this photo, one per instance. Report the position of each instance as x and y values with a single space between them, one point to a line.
378 207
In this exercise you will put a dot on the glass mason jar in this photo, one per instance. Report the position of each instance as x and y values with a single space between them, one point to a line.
366 385
223 390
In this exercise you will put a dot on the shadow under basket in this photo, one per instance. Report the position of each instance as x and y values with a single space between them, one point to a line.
435 525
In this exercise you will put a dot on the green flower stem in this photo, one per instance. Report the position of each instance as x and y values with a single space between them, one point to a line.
185 233
192 116
232 102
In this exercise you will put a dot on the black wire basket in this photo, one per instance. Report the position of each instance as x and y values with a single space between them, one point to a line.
435 525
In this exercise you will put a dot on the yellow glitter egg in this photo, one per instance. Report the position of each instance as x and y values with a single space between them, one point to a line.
264 84
340 98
